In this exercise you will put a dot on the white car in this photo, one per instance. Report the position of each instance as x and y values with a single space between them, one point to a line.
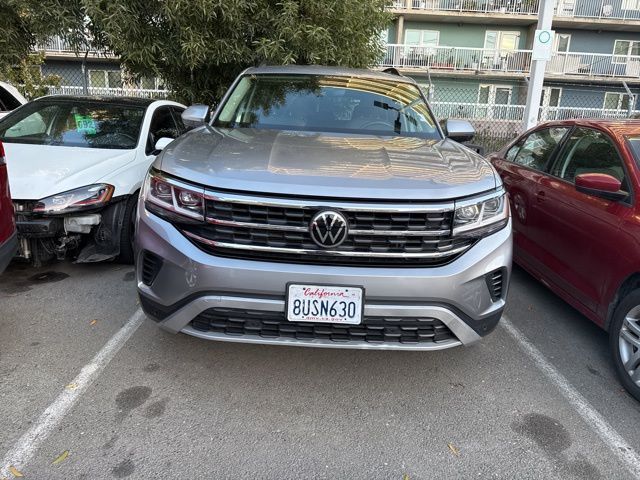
76 165
10 98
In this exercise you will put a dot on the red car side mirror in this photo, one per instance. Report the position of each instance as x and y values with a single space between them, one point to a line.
600 185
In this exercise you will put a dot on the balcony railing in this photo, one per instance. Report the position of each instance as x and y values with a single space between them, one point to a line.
57 45
574 64
518 7
480 111
602 9
108 92
457 58
594 65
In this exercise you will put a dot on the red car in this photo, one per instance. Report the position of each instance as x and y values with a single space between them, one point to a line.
575 199
8 236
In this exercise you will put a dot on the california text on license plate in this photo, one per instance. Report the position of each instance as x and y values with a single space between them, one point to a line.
324 304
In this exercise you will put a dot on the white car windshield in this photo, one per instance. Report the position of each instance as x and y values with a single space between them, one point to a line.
74 124
321 103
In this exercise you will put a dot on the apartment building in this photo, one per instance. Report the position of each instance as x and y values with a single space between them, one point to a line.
473 57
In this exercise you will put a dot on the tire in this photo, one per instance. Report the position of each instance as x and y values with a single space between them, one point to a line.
624 342
127 233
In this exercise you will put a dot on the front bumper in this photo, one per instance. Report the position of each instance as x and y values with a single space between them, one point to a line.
189 282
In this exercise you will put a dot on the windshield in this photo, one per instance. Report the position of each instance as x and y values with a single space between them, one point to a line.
317 103
635 147
74 124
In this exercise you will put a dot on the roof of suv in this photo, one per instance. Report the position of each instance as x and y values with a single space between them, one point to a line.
329 71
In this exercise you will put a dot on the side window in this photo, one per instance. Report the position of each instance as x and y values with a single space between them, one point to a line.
589 151
162 125
513 151
539 146
177 117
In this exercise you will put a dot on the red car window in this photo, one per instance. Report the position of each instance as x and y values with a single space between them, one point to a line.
589 151
539 146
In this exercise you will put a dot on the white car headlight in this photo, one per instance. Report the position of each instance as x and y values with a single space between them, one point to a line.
482 216
82 198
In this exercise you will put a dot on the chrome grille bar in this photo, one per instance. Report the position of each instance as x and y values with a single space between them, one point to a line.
292 228
334 253
355 206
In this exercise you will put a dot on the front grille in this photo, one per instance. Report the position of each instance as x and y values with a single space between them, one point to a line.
151 265
408 235
494 283
273 325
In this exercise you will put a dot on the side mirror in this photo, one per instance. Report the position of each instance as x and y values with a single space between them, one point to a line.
458 130
162 143
600 185
195 115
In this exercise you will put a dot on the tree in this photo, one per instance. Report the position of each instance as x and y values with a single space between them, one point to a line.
199 46
27 76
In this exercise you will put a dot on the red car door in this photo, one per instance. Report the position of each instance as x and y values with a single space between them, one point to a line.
574 230
522 167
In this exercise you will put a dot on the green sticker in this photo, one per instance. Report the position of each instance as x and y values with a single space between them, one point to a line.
85 124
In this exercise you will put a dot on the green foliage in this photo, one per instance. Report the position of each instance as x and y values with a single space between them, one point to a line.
27 77
199 46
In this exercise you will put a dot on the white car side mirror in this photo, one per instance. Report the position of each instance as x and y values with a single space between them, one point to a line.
162 143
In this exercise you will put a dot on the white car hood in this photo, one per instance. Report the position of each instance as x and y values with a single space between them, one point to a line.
39 171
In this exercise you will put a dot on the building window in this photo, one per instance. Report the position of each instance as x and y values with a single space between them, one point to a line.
551 97
561 42
105 78
617 101
422 38
622 49
151 83
497 40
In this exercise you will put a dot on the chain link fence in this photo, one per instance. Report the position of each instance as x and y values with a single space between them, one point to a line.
496 108
97 76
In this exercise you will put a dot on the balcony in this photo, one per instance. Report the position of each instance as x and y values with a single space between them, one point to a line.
574 65
457 59
594 65
565 11
517 7
595 9
58 47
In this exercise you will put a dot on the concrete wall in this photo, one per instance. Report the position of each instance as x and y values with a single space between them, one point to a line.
593 41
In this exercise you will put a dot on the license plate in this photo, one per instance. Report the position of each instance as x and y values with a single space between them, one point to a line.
324 304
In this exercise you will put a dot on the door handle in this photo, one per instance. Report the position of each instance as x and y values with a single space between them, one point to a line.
541 196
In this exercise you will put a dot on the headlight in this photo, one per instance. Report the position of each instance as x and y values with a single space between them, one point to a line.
83 198
169 197
481 217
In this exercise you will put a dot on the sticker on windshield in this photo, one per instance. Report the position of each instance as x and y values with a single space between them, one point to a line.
85 124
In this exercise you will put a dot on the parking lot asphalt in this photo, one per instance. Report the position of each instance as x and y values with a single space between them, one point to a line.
172 406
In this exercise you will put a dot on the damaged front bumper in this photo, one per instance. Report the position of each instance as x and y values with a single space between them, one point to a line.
90 236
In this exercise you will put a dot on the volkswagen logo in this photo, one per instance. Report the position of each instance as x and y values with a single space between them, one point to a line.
328 228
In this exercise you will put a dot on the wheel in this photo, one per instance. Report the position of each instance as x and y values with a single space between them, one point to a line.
127 233
624 341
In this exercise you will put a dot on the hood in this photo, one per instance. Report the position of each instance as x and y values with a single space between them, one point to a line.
328 164
39 171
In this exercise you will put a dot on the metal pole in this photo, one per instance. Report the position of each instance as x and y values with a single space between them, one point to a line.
534 93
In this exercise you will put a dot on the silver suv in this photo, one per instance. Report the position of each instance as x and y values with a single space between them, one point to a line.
324 207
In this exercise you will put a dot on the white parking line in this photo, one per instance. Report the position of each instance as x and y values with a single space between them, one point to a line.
26 447
611 438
